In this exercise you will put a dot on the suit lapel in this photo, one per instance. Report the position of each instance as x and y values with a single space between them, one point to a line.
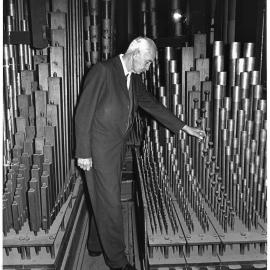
132 89
120 73
134 85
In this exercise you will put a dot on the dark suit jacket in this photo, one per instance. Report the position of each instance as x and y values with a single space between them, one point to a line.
102 113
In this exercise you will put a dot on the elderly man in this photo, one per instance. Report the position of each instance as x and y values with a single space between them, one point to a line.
111 94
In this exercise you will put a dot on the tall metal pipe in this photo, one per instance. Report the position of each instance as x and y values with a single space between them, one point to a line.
218 48
176 17
235 49
227 104
219 93
248 50
245 105
256 95
257 125
94 31
223 125
262 107
169 55
261 148
144 17
106 29
218 66
240 123
244 84
250 63
240 67
236 99
153 19
254 77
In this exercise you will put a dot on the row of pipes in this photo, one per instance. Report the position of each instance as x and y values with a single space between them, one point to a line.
220 182
98 29
41 87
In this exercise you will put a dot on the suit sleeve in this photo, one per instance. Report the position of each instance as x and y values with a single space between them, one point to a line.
93 87
151 105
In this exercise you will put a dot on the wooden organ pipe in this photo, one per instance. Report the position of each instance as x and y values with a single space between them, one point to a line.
39 100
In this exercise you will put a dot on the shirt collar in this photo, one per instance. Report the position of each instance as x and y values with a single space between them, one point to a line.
124 66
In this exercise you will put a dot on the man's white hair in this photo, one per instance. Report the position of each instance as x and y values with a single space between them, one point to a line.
142 44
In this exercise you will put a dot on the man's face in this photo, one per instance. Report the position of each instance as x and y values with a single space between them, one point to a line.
142 61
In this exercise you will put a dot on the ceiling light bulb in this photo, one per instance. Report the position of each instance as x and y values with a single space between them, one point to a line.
177 15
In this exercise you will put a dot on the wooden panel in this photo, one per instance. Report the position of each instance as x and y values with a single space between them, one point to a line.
40 125
27 77
193 81
43 74
187 64
54 90
30 132
39 59
66 230
40 104
57 20
24 102
58 37
19 138
21 123
202 65
60 5
57 61
39 144
199 46
192 84
207 85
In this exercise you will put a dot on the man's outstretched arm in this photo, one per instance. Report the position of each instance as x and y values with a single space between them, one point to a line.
151 105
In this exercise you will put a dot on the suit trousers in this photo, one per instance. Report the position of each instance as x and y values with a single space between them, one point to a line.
106 231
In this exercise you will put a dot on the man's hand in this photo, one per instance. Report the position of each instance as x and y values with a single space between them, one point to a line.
199 133
85 163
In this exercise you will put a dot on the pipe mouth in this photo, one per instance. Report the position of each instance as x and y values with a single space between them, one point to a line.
218 63
236 93
240 66
257 91
219 92
218 48
244 80
222 78
169 53
248 49
258 117
262 105
255 77
250 63
263 135
235 50
249 127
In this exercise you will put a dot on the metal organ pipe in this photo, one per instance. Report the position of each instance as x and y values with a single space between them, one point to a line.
224 174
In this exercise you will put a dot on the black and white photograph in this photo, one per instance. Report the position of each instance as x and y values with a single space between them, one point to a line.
134 134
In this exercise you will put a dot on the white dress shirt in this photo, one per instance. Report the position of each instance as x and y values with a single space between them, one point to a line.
127 73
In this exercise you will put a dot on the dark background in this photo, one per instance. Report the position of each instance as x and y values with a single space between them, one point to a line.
248 16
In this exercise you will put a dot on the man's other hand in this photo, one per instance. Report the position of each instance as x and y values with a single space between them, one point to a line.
85 163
